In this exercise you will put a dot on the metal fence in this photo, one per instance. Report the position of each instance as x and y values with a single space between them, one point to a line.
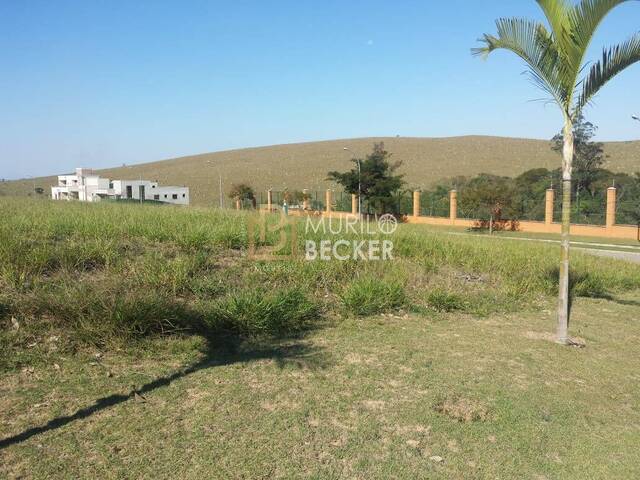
342 202
434 204
583 211
587 211
628 213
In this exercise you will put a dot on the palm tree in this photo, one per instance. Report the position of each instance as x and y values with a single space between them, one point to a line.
555 56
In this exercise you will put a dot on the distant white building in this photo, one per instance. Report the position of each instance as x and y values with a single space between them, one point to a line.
88 187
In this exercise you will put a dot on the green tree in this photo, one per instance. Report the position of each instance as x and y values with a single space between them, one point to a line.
488 198
555 55
243 192
588 158
376 180
530 188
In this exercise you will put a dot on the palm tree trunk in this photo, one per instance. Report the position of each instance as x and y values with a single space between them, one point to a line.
563 297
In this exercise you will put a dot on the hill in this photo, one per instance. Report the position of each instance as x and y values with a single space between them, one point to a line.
305 165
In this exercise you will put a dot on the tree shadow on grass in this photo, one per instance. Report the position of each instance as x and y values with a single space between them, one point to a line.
581 284
586 285
628 303
218 353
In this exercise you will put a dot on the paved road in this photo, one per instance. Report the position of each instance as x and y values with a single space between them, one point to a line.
629 253
628 256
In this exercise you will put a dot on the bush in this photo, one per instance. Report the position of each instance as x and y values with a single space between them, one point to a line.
370 296
444 301
252 312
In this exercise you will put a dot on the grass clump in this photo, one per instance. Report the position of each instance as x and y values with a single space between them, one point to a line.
253 312
444 301
105 313
371 296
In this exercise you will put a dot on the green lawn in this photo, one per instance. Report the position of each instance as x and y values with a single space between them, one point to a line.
138 341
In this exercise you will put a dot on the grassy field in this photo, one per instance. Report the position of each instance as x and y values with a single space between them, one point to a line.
143 342
305 165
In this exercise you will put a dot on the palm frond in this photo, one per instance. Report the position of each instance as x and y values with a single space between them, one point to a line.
614 60
584 19
533 43
557 13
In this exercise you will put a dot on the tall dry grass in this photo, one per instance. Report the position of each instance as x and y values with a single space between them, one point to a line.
107 273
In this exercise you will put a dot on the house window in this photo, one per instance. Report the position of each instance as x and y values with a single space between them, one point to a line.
174 196
184 195
156 197
111 185
165 196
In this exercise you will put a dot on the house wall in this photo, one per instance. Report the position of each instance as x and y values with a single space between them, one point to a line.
87 187
166 194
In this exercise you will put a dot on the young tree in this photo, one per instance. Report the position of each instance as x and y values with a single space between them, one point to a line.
555 55
490 199
376 180
243 192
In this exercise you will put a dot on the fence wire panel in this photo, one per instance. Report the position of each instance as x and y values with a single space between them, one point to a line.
628 213
469 214
342 202
404 203
434 204
468 210
247 204
584 211
532 209
277 198
317 200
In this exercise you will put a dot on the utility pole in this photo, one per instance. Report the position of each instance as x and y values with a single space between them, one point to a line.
220 193
221 196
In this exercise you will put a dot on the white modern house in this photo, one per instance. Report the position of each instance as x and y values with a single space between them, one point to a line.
85 186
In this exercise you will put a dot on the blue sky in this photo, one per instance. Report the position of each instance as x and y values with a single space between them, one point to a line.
101 83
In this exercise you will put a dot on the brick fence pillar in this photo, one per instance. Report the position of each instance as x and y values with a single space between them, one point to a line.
328 201
548 206
305 200
453 205
354 204
238 204
611 207
269 200
416 203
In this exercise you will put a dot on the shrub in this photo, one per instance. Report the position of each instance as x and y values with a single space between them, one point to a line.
370 296
444 301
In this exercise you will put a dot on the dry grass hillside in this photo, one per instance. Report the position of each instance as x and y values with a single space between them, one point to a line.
305 165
